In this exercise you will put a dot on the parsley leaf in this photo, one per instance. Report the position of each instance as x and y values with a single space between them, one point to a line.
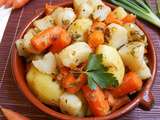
95 62
97 73
91 82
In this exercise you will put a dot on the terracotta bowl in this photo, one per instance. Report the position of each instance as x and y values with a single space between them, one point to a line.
143 99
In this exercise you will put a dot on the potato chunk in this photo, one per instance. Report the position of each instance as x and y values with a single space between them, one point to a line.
101 12
47 64
70 104
117 35
120 13
133 57
78 28
112 60
135 33
44 23
42 85
85 10
63 16
75 54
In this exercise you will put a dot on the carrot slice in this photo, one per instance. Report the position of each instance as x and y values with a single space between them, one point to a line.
111 18
96 101
11 115
131 83
95 39
129 19
98 26
63 40
44 39
73 85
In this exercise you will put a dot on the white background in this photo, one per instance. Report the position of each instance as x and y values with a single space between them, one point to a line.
4 16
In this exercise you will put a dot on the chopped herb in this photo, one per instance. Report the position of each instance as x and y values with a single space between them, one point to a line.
99 7
65 22
76 36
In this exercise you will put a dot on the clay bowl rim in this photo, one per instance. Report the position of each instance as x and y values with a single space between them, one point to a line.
28 94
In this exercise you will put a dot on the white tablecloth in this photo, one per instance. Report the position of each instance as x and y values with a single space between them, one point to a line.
4 16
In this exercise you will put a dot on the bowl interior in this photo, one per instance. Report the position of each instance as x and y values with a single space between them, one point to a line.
18 69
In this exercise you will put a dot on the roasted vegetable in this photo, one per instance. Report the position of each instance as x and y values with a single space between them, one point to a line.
96 101
62 40
78 29
44 23
135 33
70 103
73 84
131 83
95 39
101 12
133 57
63 16
12 115
95 3
75 54
43 86
116 16
47 64
112 60
85 10
116 36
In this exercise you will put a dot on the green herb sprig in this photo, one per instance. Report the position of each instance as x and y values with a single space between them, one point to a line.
98 75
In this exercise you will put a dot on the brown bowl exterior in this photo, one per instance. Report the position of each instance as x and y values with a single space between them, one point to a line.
144 98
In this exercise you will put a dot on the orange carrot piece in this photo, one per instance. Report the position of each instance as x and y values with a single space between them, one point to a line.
131 83
63 40
96 101
129 19
98 26
49 8
95 39
73 85
45 38
111 18
64 71
11 115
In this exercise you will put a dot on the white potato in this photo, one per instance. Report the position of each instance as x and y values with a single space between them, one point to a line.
85 10
117 35
75 54
20 48
24 45
42 85
135 33
57 12
120 13
70 104
78 3
27 41
101 12
112 60
63 16
47 64
44 23
133 57
95 3
78 28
